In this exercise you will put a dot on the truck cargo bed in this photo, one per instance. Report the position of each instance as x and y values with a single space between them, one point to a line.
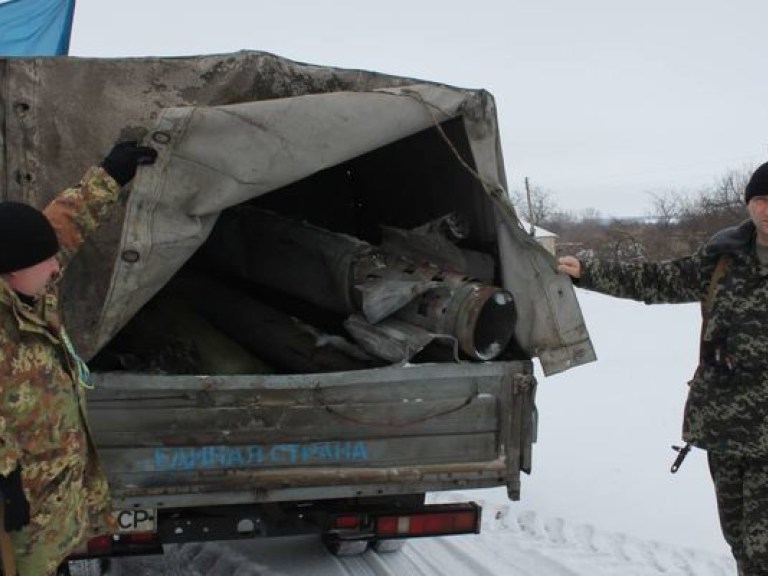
172 441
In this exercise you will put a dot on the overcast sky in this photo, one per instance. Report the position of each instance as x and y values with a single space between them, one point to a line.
600 102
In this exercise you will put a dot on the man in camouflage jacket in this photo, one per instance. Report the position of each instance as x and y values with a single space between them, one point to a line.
53 490
726 413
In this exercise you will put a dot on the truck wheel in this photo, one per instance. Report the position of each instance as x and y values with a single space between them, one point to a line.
87 567
387 546
345 547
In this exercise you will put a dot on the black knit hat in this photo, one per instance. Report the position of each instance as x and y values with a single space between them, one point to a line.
26 237
758 183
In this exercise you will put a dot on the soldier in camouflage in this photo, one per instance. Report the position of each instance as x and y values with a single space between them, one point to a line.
54 493
726 413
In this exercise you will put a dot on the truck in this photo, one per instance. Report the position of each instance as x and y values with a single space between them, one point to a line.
315 308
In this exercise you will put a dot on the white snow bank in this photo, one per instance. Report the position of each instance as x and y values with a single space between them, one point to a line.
605 430
511 544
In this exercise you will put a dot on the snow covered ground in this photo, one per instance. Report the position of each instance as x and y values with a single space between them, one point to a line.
511 544
600 501
605 430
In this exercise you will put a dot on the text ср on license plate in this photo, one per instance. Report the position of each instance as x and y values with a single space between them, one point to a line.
137 520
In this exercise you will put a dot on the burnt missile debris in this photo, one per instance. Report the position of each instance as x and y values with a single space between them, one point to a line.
435 242
281 339
395 301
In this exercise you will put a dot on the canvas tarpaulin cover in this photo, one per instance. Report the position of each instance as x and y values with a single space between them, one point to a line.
229 128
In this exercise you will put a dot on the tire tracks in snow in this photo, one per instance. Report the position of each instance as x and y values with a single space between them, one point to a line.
513 543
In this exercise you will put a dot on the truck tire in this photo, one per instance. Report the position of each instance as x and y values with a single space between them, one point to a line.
387 546
86 567
345 547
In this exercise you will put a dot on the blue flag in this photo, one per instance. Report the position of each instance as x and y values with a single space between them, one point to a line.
35 27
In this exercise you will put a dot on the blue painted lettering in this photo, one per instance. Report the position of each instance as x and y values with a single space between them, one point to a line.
208 457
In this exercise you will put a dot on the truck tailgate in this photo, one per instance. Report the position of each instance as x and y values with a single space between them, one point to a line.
171 441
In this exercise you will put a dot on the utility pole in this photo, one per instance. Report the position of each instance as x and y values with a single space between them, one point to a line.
531 217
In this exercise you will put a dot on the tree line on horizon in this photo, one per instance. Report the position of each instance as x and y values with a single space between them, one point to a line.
677 223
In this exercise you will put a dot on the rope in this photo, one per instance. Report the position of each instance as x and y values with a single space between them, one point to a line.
495 188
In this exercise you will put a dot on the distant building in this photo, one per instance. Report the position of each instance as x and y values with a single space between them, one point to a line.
544 237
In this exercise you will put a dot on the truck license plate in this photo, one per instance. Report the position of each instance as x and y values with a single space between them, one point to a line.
137 520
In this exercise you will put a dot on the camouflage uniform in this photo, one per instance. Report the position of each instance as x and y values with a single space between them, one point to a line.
42 402
727 408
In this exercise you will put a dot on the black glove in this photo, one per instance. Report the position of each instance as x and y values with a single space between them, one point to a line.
14 500
122 160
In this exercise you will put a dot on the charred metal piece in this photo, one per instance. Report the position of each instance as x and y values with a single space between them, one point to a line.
275 336
482 318
344 274
169 337
391 339
439 251
453 227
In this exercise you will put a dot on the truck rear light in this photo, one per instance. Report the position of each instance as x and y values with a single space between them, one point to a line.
462 519
139 538
100 545
109 544
442 523
386 525
346 522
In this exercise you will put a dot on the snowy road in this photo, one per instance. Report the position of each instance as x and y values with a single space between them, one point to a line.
512 543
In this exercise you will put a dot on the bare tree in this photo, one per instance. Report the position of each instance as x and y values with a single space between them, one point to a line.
667 207
726 198
534 204
679 223
590 214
